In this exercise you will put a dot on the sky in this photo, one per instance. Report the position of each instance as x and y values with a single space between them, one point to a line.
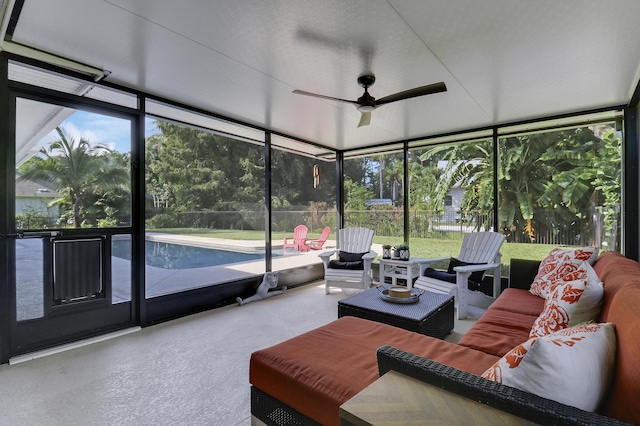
113 132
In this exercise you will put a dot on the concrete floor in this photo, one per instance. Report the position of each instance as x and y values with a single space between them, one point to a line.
191 371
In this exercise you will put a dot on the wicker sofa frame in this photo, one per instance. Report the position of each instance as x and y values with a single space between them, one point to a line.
275 413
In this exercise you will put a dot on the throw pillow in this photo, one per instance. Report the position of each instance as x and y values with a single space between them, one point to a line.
565 306
337 264
345 256
590 303
558 308
560 262
572 366
440 275
348 260
476 277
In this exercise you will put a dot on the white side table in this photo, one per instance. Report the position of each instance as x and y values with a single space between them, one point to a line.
404 270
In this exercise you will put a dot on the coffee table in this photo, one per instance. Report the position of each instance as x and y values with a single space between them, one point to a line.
431 315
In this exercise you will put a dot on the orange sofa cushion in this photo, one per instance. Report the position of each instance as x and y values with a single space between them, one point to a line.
498 331
318 371
520 301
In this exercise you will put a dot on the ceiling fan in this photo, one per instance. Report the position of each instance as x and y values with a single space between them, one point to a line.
367 103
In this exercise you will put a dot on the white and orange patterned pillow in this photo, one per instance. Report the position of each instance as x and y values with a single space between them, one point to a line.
559 263
572 366
559 306
590 303
569 303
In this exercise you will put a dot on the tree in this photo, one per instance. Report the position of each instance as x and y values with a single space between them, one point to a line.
545 180
468 166
79 170
189 170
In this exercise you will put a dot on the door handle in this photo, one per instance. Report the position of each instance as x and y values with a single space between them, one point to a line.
34 234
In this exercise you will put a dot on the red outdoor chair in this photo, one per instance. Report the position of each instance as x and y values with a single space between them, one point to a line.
317 244
299 240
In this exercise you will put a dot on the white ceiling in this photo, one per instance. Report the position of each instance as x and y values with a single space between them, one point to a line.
502 60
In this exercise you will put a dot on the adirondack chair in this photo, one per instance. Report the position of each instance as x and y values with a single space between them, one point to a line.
299 240
345 270
482 249
317 244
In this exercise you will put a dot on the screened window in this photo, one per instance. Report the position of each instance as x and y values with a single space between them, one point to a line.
205 216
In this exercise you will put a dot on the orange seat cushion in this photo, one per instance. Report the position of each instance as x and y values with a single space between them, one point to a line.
520 301
318 371
498 331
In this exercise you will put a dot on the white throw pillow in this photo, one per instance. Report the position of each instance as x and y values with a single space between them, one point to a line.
558 264
570 303
559 306
590 303
572 366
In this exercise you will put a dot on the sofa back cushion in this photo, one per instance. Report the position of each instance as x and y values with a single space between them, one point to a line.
615 271
621 277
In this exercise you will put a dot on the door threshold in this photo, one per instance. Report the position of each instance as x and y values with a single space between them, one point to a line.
73 345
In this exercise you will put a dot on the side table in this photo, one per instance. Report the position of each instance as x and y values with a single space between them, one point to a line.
396 399
404 270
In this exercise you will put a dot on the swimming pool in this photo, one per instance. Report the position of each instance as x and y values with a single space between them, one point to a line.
178 256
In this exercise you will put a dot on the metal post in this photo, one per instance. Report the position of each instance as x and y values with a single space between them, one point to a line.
267 202
339 191
407 229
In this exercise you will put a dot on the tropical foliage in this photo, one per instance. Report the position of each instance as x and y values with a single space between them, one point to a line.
545 180
91 179
190 170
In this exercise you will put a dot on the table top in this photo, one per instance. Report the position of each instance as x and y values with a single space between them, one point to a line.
396 261
372 300
396 399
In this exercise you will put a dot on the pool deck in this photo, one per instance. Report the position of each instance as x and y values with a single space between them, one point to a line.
164 281
246 246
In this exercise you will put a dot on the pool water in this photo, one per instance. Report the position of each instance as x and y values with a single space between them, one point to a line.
178 256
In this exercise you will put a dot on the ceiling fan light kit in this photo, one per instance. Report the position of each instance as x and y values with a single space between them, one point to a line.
367 103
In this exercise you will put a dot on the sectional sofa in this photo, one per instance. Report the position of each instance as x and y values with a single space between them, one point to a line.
304 380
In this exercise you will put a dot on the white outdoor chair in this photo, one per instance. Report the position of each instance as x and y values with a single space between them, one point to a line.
355 241
482 248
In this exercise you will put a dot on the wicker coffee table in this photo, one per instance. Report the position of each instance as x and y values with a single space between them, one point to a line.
431 315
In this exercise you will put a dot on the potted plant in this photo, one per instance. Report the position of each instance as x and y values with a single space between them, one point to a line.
402 251
386 251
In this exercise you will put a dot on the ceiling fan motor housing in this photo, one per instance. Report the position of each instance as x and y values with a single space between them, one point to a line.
366 80
366 102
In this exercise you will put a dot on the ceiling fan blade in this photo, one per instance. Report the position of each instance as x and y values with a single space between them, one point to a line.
365 119
412 93
330 98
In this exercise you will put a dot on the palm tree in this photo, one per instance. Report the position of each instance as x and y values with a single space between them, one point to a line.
78 169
